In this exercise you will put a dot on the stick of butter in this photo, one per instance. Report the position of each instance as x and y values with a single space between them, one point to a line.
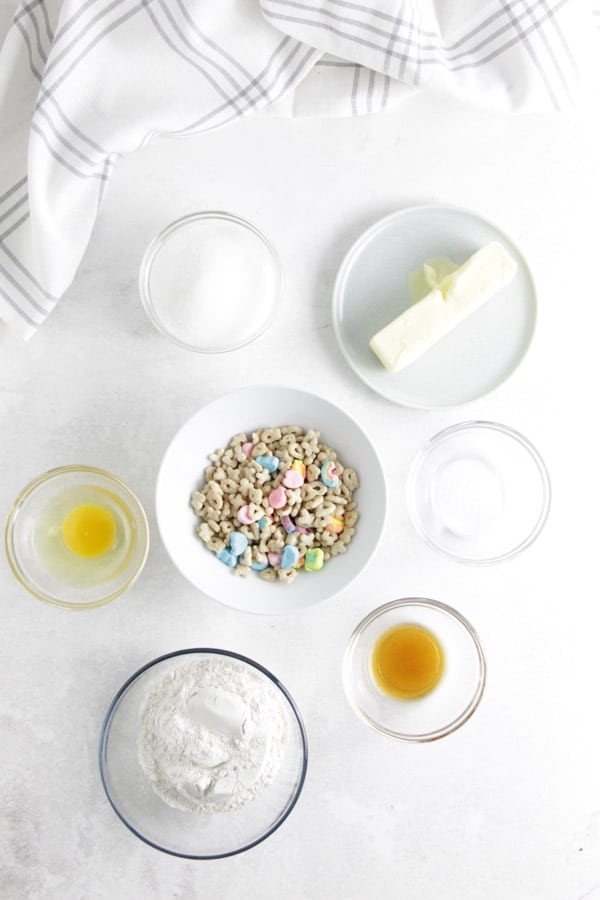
459 294
429 276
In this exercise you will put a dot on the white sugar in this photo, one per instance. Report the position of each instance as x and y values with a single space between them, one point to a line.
467 496
213 284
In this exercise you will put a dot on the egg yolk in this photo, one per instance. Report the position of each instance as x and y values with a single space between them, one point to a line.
89 530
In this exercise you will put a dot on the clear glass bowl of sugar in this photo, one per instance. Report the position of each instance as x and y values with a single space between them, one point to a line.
210 282
479 492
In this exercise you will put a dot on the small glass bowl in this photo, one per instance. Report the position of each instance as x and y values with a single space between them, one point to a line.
179 832
479 492
445 708
210 282
38 557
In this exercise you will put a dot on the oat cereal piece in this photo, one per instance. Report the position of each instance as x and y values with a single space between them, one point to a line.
216 544
294 496
326 510
205 532
198 500
350 479
268 574
313 473
314 503
257 556
287 575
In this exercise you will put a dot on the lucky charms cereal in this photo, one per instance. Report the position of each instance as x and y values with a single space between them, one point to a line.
276 503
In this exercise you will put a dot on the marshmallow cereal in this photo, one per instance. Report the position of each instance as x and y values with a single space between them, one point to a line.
277 502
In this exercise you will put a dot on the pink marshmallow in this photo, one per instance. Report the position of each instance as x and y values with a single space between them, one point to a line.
244 516
274 558
278 498
293 479
247 449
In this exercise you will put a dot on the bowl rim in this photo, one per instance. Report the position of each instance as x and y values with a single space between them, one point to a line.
217 652
484 425
156 245
363 238
424 737
307 393
24 495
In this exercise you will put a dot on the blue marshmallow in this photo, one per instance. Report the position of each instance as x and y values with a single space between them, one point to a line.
227 557
270 463
289 557
237 542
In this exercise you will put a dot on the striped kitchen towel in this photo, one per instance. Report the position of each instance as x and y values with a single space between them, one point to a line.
84 81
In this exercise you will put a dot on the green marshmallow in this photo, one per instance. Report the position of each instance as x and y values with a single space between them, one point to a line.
314 560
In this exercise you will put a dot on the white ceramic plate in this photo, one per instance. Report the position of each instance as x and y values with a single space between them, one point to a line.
213 426
372 288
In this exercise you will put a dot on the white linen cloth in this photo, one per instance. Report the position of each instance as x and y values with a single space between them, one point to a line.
84 81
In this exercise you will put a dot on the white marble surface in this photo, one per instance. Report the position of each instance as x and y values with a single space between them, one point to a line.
508 808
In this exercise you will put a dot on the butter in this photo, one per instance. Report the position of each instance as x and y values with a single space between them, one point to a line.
429 276
459 292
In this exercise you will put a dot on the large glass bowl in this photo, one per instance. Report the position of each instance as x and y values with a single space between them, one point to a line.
445 708
182 832
42 564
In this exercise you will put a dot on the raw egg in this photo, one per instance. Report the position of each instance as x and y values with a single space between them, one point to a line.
84 535
89 530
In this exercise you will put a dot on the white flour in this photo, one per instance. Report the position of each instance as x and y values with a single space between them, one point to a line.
212 735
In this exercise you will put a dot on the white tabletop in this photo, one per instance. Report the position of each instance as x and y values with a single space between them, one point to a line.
508 807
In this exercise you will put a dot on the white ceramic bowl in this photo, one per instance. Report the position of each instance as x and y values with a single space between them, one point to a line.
212 427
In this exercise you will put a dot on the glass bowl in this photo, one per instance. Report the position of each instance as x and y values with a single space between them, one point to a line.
449 704
479 492
39 557
210 282
201 833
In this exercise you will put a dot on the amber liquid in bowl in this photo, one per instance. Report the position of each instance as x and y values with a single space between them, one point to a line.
407 662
